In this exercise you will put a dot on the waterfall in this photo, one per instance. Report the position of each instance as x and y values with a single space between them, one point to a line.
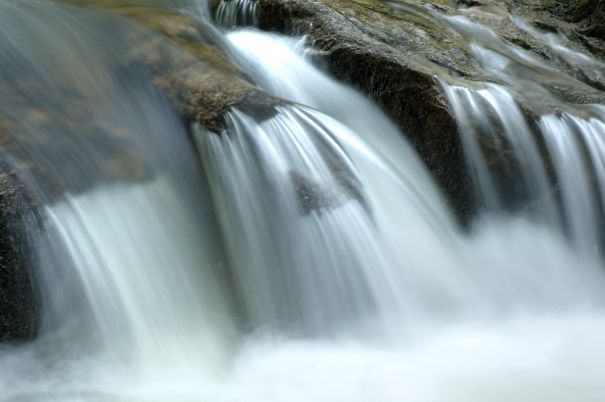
315 178
492 127
392 192
300 231
147 297
303 255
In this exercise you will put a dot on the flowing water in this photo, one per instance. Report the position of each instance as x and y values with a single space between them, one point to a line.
309 256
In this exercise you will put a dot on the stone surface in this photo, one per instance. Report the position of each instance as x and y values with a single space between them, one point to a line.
19 307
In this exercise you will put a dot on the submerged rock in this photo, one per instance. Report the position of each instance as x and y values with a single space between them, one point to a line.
314 196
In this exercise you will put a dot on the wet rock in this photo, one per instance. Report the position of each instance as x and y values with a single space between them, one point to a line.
180 56
314 197
191 66
19 301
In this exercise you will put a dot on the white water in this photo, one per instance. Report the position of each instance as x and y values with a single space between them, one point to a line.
547 358
311 247
294 218
511 312
339 265
510 263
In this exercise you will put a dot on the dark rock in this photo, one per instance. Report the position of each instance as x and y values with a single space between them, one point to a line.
19 301
581 21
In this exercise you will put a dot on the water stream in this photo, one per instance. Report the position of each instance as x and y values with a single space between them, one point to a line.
304 257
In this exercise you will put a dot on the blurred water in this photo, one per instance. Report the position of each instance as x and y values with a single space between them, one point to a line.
437 262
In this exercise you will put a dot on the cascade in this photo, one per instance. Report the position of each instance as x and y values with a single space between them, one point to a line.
375 148
304 255
283 66
297 223
568 143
